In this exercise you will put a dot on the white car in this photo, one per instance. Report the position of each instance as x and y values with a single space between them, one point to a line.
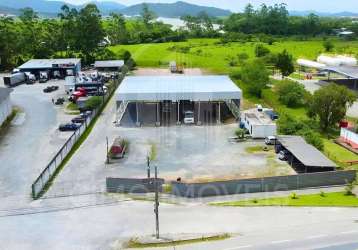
189 117
270 140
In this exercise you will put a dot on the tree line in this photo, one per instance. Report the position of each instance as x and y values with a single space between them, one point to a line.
80 33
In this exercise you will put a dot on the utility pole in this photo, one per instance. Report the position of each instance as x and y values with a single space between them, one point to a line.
148 167
156 204
107 150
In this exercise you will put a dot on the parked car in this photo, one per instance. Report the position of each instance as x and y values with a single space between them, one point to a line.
189 117
50 89
68 127
270 140
272 114
283 155
79 119
81 92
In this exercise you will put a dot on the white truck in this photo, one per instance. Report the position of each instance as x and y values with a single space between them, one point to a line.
15 79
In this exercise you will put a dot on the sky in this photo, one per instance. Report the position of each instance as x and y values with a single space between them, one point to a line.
238 5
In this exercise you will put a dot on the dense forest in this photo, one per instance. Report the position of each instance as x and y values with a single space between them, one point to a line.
85 33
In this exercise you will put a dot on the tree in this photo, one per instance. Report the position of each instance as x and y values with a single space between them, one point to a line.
90 32
147 15
292 94
329 104
328 45
255 74
117 30
285 63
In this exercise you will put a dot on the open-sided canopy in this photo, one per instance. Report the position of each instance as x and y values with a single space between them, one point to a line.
348 71
176 88
304 152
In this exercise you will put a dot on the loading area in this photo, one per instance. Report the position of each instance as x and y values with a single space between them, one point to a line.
175 100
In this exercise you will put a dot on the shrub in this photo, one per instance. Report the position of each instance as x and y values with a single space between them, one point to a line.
240 133
93 102
294 196
291 94
313 138
322 194
261 51
349 188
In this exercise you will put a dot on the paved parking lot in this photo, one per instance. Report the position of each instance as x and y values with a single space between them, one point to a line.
190 152
31 141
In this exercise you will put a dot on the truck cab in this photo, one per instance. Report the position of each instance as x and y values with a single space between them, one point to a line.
189 117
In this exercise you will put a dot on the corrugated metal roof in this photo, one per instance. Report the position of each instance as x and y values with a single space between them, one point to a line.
195 88
4 93
47 63
304 152
348 71
109 64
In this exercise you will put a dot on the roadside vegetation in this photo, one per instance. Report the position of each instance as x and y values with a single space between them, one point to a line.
134 243
338 199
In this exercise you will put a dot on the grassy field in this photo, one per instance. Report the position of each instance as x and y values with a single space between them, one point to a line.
339 199
208 54
339 154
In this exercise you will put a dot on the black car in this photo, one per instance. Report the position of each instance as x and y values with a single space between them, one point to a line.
79 119
69 127
50 89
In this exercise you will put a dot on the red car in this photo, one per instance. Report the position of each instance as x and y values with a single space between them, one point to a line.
81 92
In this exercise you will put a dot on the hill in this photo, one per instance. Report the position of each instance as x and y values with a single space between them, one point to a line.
53 7
177 9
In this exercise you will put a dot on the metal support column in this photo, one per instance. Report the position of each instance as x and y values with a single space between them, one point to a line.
157 123
355 83
137 111
199 122
219 115
178 121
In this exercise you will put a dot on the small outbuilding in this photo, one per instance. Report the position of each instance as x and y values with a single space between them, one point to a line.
259 123
5 104
109 66
303 157
165 100
57 68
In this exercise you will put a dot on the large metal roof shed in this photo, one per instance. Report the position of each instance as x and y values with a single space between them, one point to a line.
306 154
110 64
50 63
176 88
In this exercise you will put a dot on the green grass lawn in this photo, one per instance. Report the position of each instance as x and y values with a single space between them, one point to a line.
338 199
208 54
339 154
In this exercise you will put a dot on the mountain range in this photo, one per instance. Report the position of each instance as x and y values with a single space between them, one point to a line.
51 8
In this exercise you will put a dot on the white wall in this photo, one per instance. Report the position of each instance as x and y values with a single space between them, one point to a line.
350 137
5 109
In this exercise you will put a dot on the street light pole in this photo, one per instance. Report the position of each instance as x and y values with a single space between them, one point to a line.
156 205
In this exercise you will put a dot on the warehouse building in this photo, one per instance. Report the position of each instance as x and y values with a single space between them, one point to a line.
170 100
5 104
109 66
57 68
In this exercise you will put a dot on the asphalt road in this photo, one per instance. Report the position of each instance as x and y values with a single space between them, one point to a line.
29 144
107 226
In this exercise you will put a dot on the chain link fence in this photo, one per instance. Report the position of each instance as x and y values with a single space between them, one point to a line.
47 175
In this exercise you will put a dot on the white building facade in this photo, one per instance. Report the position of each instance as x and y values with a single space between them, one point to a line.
5 104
